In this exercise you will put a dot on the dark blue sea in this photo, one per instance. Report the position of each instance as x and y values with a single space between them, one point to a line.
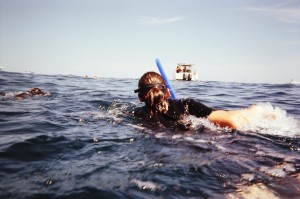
80 141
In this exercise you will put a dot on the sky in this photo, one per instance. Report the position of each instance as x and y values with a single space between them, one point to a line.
249 41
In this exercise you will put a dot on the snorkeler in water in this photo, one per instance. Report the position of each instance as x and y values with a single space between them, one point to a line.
159 107
30 93
27 94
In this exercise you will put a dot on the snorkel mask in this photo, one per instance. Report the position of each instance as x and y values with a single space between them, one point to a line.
147 87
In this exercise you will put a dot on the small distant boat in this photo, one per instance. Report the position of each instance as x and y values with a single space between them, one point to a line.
294 82
185 72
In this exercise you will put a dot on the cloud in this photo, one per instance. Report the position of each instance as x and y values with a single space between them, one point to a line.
156 21
286 12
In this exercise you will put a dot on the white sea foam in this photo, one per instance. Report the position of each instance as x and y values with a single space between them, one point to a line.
146 185
263 118
279 170
268 119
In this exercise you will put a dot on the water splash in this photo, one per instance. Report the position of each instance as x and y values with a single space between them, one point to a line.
261 118
267 119
146 185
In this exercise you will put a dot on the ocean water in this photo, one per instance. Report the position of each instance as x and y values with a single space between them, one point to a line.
80 141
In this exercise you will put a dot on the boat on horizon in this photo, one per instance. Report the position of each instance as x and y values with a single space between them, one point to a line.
185 72
294 82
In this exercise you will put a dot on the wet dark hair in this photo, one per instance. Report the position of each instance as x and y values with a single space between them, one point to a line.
152 90
36 91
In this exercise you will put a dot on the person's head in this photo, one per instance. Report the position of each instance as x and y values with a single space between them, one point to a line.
36 91
153 91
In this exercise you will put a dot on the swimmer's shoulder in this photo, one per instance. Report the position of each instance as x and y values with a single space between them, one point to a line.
193 107
140 112
22 95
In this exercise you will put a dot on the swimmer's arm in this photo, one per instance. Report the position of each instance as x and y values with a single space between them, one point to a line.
233 119
222 118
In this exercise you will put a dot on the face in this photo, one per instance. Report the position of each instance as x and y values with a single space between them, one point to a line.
148 81
168 95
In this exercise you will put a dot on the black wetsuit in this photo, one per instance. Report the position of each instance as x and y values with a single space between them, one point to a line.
175 117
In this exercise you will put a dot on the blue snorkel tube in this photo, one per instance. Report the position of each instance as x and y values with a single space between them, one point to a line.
164 76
